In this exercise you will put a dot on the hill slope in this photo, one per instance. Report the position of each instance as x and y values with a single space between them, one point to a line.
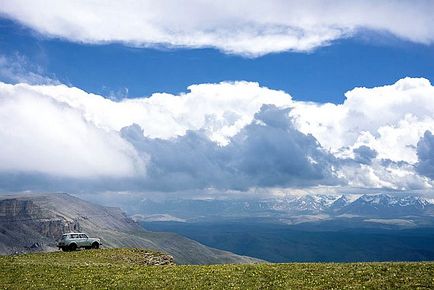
104 269
33 222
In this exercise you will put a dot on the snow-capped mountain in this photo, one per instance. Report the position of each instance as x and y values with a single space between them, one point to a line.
332 206
383 205
386 205
340 203
309 204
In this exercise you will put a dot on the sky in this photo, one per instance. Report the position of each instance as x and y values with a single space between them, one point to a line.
217 98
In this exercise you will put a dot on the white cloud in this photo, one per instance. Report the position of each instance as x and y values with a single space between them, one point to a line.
384 175
216 135
42 136
17 69
389 119
220 110
246 27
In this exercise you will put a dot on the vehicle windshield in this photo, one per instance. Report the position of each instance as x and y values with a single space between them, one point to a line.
63 237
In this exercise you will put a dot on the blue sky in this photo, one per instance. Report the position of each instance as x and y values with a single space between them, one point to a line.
322 75
218 97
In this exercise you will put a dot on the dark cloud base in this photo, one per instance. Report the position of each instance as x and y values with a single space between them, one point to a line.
268 152
425 154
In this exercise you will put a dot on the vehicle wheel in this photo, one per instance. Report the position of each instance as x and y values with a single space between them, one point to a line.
64 249
72 247
95 245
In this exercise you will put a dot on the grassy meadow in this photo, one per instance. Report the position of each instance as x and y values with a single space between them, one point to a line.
126 268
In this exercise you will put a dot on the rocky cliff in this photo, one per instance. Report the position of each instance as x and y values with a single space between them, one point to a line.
33 222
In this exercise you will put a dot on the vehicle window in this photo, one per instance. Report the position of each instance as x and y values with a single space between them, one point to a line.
63 237
83 236
74 236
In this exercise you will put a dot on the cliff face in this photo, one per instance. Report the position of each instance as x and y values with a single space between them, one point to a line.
42 219
18 209
25 226
34 222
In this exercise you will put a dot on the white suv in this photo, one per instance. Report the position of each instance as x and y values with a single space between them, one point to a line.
73 241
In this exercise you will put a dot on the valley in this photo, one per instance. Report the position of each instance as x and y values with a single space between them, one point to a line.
322 242
309 228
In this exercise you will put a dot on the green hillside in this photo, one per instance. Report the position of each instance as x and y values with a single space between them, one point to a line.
127 268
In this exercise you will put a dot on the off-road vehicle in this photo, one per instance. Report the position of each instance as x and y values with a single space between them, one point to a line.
73 241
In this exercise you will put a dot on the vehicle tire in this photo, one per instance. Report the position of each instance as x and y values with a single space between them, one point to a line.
95 245
64 249
72 247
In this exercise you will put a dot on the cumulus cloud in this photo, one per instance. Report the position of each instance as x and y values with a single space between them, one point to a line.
220 110
51 134
43 136
268 152
231 135
246 27
389 119
379 128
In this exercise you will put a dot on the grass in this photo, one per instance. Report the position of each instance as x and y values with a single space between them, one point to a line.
125 268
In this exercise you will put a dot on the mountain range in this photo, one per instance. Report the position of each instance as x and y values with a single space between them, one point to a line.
292 209
378 205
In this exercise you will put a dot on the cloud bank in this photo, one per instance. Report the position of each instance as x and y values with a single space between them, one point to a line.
225 136
245 27
267 152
